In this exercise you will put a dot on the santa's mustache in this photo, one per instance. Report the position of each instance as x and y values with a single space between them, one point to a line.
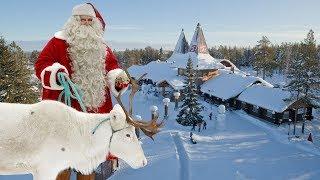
85 31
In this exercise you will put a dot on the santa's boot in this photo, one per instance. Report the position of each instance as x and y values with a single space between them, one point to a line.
64 175
85 177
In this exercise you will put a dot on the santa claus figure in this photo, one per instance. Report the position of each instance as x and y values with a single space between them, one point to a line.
80 51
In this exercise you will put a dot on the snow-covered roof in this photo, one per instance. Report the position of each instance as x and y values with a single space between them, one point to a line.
228 62
177 84
158 72
266 97
227 84
199 61
182 45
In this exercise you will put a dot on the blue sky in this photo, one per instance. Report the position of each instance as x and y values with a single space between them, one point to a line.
155 22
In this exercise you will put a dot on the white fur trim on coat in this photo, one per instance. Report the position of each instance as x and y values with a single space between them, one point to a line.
111 79
83 9
60 35
53 69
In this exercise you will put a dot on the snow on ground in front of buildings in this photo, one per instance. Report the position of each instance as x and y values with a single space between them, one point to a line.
246 149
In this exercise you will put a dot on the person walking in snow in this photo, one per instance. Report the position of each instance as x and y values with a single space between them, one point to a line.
204 125
79 51
194 124
199 126
210 115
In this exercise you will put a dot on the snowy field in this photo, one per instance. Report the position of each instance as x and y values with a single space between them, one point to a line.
245 148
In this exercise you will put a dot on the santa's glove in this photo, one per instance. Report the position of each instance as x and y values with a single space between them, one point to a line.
117 81
121 83
49 76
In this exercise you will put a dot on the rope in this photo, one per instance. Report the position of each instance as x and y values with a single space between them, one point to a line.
94 129
70 90
74 92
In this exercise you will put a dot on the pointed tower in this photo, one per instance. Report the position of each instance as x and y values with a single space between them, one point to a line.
198 43
182 45
198 52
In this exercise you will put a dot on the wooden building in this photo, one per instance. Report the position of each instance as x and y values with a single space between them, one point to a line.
273 105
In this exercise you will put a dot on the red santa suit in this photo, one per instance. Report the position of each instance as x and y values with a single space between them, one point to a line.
54 58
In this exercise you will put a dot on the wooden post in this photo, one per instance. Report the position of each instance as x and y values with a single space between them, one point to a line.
166 110
163 91
295 121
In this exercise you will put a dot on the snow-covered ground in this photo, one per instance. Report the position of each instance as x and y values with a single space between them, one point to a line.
246 149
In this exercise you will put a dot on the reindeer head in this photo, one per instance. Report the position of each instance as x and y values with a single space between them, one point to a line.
124 143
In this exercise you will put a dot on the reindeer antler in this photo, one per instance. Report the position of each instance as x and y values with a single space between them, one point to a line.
149 128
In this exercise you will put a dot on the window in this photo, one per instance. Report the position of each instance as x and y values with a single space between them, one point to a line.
286 115
270 113
255 109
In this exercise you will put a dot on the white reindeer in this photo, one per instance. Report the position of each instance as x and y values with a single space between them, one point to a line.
47 137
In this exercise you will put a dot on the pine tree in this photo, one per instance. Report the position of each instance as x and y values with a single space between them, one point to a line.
33 57
15 85
264 57
311 66
161 54
304 72
190 109
295 72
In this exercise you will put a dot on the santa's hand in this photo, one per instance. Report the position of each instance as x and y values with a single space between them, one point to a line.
49 78
122 82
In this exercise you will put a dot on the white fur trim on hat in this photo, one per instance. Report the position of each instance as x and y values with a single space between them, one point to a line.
111 79
53 69
83 9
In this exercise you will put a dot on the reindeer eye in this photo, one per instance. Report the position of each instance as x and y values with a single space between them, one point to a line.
128 135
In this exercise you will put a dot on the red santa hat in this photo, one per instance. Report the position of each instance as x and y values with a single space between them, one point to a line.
89 10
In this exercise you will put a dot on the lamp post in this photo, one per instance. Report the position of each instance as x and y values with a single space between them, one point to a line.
166 102
295 121
176 97
303 120
289 127
153 110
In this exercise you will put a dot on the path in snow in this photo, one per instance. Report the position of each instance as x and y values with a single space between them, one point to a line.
183 157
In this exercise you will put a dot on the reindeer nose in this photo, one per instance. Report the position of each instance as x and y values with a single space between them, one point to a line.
144 162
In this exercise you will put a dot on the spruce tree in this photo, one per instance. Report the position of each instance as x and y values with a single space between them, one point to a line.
15 84
190 109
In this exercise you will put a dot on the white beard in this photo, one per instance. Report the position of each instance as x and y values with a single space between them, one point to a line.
87 52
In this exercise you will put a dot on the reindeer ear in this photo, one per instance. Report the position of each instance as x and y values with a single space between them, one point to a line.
118 117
